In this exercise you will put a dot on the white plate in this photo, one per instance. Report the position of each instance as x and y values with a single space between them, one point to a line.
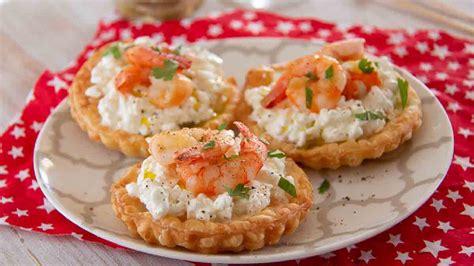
75 174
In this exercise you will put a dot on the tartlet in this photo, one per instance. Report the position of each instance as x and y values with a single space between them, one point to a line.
400 123
248 230
85 108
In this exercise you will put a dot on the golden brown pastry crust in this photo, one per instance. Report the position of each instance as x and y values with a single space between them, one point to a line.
84 111
242 233
334 155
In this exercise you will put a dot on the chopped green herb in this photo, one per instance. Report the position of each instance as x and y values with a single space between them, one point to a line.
114 50
287 186
167 71
222 127
276 154
211 144
403 88
177 51
311 76
330 72
376 64
149 174
156 49
233 156
239 191
369 115
366 66
309 97
324 186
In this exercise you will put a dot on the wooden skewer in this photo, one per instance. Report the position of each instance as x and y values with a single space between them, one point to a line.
430 14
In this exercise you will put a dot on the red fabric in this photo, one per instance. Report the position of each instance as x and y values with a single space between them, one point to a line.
444 62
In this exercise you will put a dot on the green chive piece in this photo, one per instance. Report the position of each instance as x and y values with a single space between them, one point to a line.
324 186
287 186
239 191
369 115
366 66
329 72
211 144
114 50
276 154
309 97
167 71
222 126
403 88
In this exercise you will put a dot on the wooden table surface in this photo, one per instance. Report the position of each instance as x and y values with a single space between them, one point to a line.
48 34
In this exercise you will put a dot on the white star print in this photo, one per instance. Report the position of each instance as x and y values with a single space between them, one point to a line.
469 48
445 226
426 66
236 24
433 247
464 162
76 235
454 106
468 210
471 61
249 15
215 30
466 132
422 47
451 89
6 200
395 240
469 95
453 65
20 213
469 185
215 14
177 40
45 227
446 262
438 205
186 22
305 26
34 185
396 38
324 33
18 132
68 76
471 74
57 83
403 257
107 35
366 256
401 51
36 126
441 76
285 27
440 51
125 34
157 37
454 195
371 49
3 170
368 29
3 183
468 83
16 152
327 255
467 250
3 220
46 206
255 27
23 174
421 223
434 35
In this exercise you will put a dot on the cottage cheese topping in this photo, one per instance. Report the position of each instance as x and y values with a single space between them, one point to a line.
163 196
136 114
330 125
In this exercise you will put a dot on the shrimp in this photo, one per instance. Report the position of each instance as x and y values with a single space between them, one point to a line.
171 93
130 76
210 161
359 83
323 75
352 49
146 57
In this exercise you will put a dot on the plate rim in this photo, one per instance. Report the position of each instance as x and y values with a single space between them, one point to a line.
229 257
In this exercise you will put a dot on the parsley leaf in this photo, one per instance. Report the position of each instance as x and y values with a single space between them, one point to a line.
239 191
311 76
211 144
369 115
366 66
276 154
329 72
113 50
287 186
167 71
403 88
309 97
324 186
221 127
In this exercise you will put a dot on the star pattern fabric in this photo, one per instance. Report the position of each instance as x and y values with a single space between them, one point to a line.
440 232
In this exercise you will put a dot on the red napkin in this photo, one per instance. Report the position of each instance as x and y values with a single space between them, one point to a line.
441 231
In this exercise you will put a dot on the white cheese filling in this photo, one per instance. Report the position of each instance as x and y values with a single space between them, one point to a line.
163 196
136 114
330 125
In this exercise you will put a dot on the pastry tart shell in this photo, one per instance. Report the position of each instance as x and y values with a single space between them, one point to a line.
84 111
248 232
335 155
